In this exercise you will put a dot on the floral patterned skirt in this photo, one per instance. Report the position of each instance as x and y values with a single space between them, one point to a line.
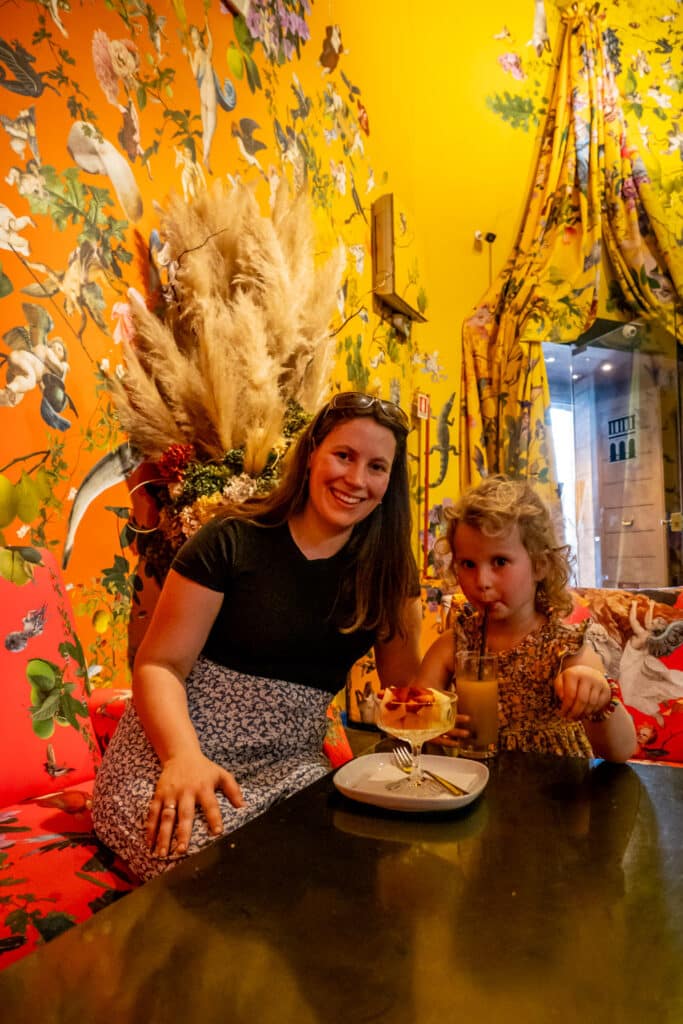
267 732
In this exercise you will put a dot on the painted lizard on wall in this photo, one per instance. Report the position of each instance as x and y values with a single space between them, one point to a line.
443 440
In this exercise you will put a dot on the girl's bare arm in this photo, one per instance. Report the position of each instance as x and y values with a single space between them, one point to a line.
585 692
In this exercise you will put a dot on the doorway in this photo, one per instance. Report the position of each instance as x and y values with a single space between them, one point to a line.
615 418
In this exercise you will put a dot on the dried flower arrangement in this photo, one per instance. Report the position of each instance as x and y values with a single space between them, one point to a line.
229 356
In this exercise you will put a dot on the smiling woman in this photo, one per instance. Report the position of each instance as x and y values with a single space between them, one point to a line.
263 613
349 474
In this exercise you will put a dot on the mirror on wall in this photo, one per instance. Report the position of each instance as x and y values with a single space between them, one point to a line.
615 417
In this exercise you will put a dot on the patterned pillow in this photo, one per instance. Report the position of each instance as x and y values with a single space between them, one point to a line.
46 740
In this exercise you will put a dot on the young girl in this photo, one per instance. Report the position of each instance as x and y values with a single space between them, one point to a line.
554 696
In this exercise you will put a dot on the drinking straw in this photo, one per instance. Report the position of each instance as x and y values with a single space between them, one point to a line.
482 645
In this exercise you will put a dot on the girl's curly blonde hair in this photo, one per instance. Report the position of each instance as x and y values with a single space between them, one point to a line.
496 505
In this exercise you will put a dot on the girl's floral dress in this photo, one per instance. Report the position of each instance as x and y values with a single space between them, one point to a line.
528 708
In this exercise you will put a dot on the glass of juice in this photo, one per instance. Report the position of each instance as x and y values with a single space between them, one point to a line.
476 683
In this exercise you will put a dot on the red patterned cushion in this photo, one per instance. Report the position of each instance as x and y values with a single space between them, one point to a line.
53 871
46 740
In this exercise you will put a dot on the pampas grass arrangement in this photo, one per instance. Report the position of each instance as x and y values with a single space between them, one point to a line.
243 331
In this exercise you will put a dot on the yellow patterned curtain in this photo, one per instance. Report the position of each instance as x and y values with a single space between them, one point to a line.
590 196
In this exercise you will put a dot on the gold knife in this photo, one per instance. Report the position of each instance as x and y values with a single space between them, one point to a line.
452 787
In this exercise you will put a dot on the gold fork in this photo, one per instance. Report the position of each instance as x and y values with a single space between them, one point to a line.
404 760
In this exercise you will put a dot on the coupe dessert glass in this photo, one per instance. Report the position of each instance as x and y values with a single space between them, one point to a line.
415 715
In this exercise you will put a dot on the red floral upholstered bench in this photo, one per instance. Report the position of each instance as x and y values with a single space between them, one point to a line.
53 871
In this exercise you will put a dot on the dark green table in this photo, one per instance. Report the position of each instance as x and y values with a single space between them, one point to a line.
556 897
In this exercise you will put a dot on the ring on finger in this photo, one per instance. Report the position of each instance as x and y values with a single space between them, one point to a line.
168 807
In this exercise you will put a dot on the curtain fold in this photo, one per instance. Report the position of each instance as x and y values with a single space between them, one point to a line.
591 196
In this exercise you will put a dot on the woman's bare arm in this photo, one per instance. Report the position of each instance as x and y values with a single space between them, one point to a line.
398 660
180 625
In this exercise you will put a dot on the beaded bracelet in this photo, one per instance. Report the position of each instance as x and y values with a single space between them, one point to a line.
615 698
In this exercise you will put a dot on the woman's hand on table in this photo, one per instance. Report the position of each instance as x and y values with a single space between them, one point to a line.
184 783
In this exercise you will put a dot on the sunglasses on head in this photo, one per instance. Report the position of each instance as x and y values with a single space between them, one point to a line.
357 401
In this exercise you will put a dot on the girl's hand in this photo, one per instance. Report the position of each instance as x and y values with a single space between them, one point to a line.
582 690
186 781
460 731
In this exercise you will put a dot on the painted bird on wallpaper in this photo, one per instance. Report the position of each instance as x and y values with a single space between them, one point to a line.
304 103
33 624
55 770
354 91
17 62
356 201
249 146
285 138
297 151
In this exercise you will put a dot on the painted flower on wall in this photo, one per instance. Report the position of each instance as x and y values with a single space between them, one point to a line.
116 62
280 27
512 63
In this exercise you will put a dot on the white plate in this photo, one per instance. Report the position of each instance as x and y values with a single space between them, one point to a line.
365 779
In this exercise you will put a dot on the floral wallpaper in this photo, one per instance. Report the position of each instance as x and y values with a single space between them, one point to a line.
644 43
106 108
551 285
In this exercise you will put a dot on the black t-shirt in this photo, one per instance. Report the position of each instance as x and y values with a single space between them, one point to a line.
277 617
